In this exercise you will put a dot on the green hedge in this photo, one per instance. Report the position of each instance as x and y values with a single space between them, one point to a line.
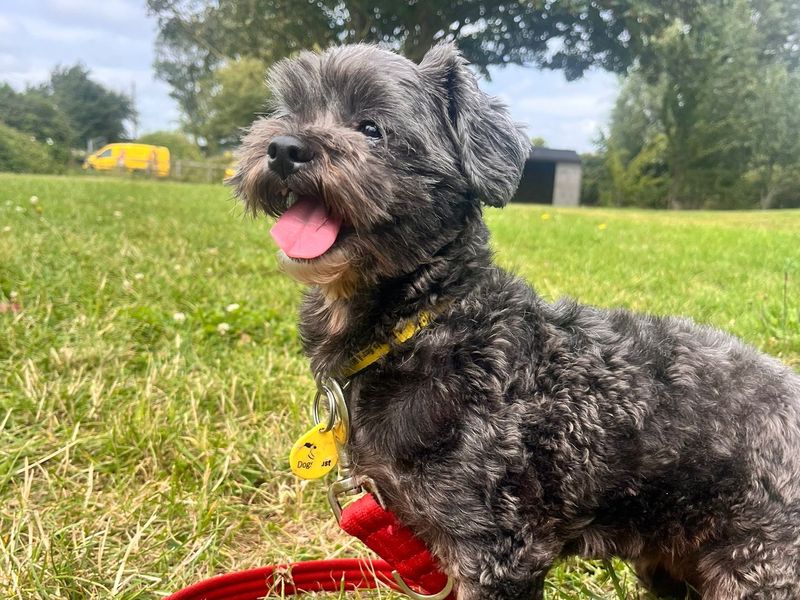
20 154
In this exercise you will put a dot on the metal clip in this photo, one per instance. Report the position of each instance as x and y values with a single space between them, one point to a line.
350 485
344 486
444 593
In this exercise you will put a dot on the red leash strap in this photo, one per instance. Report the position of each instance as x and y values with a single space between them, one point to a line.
379 529
395 543
310 576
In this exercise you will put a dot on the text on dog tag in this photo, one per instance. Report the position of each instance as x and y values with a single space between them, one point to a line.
314 454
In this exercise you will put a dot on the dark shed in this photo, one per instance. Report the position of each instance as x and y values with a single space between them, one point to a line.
551 176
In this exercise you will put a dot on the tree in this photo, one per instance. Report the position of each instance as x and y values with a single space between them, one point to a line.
640 180
34 113
706 110
229 99
195 38
92 110
777 23
776 135
709 74
635 149
636 116
488 32
592 177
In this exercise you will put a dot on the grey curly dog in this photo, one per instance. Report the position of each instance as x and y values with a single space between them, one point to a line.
511 432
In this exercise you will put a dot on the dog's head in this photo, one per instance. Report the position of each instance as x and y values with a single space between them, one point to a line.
372 163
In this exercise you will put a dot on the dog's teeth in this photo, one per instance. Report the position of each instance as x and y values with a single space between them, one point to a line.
291 199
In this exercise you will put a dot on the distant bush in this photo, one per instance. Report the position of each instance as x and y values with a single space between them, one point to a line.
639 181
179 145
20 154
34 113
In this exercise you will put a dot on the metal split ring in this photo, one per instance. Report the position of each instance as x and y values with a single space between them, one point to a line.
336 406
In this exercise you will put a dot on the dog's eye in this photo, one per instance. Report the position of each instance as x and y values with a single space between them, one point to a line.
370 129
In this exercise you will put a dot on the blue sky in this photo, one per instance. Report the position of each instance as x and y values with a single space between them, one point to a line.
114 39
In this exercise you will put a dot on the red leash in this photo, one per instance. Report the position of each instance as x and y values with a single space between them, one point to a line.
310 576
378 528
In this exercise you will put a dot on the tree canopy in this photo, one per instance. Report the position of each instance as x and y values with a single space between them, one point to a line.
92 110
228 99
34 113
710 119
196 38
489 32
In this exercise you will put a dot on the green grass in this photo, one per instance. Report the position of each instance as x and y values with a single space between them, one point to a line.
140 452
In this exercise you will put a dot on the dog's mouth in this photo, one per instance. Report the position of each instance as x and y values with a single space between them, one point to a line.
307 229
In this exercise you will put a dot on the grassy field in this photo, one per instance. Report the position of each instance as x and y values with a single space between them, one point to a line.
151 380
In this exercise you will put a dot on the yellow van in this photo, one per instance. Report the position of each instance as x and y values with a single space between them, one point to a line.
143 158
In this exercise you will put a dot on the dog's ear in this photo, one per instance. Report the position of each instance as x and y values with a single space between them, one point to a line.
491 147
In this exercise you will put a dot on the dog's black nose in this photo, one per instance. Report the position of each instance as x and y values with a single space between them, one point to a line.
287 154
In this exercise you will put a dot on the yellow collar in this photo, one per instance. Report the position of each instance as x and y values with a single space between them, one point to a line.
400 334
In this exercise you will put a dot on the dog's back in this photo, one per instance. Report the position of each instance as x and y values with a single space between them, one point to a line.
688 442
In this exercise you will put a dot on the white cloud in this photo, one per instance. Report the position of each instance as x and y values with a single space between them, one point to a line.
5 25
53 32
567 114
118 11
589 126
21 78
120 78
566 106
8 62
156 110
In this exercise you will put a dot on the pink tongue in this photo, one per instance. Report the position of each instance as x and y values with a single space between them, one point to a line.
306 230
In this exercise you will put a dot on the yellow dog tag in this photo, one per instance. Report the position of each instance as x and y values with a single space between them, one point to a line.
314 454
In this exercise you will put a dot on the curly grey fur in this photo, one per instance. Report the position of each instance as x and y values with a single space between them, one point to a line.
513 432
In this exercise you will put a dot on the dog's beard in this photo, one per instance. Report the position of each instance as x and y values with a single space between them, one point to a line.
332 272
